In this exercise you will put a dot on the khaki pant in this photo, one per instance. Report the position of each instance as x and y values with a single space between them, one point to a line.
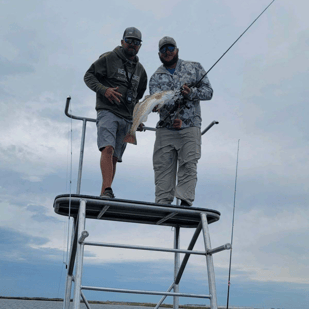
171 146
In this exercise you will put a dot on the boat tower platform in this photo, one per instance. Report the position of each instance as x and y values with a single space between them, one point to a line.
83 207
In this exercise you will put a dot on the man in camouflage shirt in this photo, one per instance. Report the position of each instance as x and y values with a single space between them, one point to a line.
178 135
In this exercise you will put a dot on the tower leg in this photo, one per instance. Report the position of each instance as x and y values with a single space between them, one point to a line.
68 289
79 255
70 267
176 266
210 264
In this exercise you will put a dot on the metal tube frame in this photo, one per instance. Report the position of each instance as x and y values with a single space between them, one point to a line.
209 263
93 288
70 266
79 255
78 243
112 245
178 270
176 265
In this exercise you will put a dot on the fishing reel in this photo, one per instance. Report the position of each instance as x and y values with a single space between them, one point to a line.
179 104
179 99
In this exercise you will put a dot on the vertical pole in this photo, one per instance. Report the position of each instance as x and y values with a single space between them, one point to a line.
68 285
210 264
176 266
68 289
79 255
232 235
81 157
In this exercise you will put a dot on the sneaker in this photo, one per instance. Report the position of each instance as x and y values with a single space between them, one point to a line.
184 203
108 193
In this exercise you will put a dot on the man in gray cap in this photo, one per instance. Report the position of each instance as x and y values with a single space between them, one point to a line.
119 80
178 134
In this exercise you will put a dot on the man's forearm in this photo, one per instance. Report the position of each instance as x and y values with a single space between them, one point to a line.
204 92
93 83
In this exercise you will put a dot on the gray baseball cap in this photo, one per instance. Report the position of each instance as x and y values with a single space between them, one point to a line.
132 32
167 40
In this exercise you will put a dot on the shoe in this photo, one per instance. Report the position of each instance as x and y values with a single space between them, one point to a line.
184 203
108 193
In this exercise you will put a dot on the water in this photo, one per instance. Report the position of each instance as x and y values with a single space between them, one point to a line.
40 304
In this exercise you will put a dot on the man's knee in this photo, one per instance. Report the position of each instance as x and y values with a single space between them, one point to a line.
109 150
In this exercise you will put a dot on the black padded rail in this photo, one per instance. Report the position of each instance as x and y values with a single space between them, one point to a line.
133 211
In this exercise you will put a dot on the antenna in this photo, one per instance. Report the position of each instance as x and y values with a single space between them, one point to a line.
229 280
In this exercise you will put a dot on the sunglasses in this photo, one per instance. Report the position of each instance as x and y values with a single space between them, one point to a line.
166 48
133 41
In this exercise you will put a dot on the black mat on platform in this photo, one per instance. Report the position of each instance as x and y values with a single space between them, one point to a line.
133 211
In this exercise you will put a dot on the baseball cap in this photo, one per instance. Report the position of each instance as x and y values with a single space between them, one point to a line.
167 40
132 32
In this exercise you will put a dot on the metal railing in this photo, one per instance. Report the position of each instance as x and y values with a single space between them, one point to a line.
82 146
80 241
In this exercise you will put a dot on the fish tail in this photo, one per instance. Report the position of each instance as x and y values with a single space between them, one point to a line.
130 138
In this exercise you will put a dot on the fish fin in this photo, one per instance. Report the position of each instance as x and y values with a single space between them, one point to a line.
131 139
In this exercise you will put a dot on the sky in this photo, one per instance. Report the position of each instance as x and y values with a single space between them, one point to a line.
260 99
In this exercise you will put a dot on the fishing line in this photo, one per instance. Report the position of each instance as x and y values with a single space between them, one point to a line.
234 43
196 84
232 234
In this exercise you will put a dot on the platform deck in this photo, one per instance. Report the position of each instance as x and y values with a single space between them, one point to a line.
133 211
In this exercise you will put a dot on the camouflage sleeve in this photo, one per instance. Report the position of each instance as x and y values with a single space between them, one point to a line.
97 69
203 91
154 85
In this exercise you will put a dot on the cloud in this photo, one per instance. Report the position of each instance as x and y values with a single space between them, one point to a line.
39 214
160 8
14 68
36 143
19 246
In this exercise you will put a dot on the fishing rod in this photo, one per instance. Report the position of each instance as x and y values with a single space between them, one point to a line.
233 43
175 107
232 234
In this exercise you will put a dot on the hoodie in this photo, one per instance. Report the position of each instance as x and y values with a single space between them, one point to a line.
109 71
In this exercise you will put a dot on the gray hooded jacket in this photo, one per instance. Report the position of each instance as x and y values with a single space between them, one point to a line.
109 71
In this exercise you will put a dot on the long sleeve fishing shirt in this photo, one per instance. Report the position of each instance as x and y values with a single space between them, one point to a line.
186 72
109 71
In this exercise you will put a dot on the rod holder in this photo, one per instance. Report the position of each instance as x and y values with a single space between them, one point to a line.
84 235
219 249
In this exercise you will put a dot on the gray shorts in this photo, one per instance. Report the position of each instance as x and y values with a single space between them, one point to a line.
111 131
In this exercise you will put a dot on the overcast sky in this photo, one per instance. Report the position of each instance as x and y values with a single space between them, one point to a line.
260 98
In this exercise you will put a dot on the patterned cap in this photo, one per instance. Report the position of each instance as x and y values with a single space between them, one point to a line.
167 40
132 32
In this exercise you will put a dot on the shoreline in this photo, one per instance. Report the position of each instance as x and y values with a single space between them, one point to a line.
119 303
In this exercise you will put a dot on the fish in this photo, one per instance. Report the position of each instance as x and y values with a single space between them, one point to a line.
143 109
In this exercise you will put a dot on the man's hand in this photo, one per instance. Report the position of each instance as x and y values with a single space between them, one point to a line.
113 95
186 90
177 124
140 127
